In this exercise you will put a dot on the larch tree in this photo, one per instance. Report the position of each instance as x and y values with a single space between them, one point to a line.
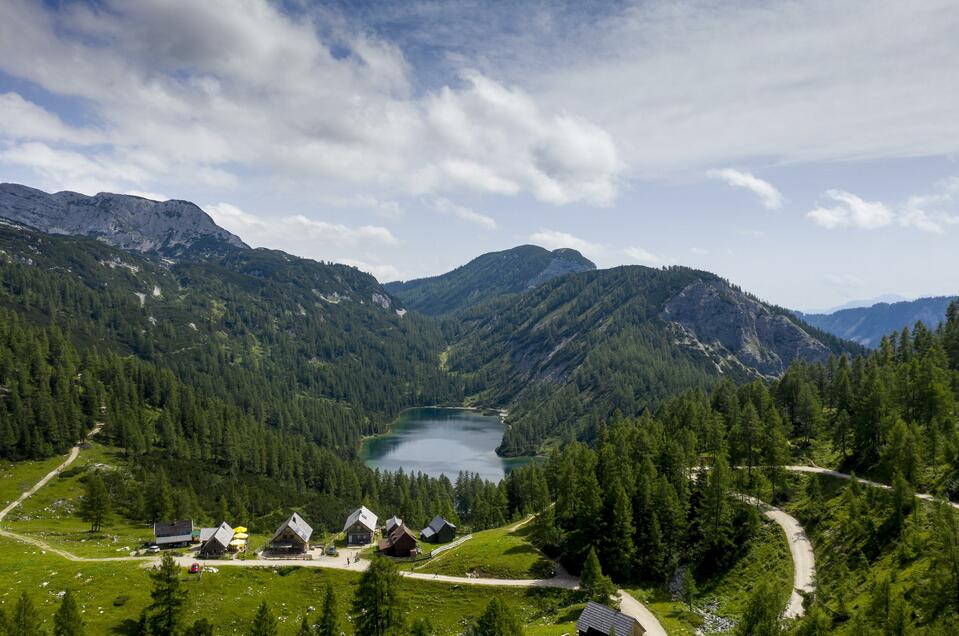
328 625
264 623
498 619
169 598
95 505
68 621
378 607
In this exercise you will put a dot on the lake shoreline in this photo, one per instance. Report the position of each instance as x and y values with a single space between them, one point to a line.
442 439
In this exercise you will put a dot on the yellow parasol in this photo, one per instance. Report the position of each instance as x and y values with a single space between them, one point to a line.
239 529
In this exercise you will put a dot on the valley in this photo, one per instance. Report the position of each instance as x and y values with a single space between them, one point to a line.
670 445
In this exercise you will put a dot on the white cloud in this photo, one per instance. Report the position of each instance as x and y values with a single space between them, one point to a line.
643 256
552 239
382 272
21 119
185 90
769 196
298 233
448 207
851 211
690 84
921 212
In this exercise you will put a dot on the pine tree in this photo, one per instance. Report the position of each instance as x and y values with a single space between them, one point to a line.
328 625
166 611
594 583
689 586
95 504
305 629
378 608
498 619
264 623
68 621
422 627
25 620
761 617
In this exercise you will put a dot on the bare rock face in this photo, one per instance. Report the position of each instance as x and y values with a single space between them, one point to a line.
720 317
128 222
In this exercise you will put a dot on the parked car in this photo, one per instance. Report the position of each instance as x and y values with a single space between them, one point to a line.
195 568
153 549
331 551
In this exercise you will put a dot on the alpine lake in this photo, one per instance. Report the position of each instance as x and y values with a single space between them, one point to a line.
442 441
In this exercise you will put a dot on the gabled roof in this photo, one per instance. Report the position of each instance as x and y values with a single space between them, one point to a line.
295 523
223 535
206 533
437 524
603 619
362 515
173 528
392 522
398 533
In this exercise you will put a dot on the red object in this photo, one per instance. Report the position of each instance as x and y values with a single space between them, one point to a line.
194 568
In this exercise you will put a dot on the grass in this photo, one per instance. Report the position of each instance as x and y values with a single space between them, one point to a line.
15 478
230 596
50 514
497 553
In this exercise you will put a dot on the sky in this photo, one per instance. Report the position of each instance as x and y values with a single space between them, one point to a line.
806 150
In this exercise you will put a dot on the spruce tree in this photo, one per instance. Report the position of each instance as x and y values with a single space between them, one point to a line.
95 504
264 623
378 607
166 611
68 620
594 583
200 627
25 620
328 625
689 586
761 617
498 619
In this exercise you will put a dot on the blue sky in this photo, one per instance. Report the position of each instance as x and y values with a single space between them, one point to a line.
805 150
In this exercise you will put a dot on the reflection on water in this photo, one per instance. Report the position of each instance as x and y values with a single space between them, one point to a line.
442 441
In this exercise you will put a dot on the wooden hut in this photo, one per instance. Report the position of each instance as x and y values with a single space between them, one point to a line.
360 527
292 537
218 544
439 531
173 534
401 542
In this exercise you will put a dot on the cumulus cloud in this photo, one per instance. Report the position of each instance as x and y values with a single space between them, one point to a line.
298 233
448 207
851 211
553 239
769 196
928 212
382 272
211 89
643 256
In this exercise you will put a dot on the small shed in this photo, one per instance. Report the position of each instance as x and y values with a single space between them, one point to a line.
439 531
400 543
219 542
293 536
173 534
360 526
599 620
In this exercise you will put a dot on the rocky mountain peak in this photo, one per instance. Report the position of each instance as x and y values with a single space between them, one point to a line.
129 222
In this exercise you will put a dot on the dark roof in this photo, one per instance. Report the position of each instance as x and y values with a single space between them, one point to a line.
437 524
295 523
603 619
173 528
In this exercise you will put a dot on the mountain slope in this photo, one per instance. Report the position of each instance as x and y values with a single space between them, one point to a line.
868 325
128 222
488 276
568 354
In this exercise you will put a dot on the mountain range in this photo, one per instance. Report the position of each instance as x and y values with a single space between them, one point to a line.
301 344
868 325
